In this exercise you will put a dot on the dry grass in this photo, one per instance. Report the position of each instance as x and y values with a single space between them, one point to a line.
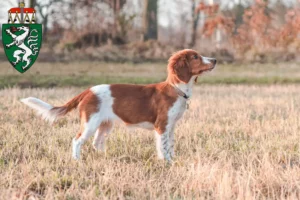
235 142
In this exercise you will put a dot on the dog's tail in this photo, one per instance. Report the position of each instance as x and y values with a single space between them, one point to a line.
49 112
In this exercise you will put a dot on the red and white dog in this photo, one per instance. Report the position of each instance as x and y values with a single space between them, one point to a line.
155 107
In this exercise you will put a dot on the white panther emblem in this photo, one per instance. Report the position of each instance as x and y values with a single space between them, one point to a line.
19 42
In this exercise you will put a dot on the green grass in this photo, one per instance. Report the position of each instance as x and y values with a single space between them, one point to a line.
44 81
85 74
64 81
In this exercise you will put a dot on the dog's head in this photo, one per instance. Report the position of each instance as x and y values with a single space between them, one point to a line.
187 63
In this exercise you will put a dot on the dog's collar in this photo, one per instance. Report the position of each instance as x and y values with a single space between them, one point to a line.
181 93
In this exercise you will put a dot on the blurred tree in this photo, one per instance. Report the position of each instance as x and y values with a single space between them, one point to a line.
195 19
32 3
116 5
121 22
238 12
150 20
44 10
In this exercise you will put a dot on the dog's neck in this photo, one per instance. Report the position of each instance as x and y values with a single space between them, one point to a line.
186 88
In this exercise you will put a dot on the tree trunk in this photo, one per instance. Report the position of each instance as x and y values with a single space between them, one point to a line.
45 24
32 3
150 20
195 17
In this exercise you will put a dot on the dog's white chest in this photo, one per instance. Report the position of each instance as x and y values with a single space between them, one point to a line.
177 110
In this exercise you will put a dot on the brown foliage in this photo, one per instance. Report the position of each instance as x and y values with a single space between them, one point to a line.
259 31
256 28
214 20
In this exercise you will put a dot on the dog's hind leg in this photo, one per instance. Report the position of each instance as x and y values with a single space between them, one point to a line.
89 129
102 132
90 122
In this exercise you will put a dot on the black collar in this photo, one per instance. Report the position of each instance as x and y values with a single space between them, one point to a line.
185 96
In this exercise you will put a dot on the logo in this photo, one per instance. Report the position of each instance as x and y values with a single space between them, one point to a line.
22 38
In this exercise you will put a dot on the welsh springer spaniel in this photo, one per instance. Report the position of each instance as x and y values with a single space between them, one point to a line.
155 106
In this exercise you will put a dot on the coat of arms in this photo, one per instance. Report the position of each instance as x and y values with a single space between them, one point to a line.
22 37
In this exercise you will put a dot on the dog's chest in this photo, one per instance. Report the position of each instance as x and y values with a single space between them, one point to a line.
177 110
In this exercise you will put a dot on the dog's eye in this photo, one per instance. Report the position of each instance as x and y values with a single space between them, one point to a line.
195 56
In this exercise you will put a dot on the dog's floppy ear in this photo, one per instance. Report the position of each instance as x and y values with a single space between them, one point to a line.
181 69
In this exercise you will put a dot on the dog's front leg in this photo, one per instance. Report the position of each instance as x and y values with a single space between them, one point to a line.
172 141
163 145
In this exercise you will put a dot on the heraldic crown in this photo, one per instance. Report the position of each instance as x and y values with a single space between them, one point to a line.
14 15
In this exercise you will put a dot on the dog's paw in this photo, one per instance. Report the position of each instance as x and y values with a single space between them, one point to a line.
160 156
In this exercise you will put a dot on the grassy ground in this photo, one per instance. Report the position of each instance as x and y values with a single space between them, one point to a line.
91 73
235 142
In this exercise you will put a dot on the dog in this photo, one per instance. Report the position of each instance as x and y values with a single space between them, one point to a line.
155 106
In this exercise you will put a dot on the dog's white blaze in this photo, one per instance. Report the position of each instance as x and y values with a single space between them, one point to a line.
106 101
206 60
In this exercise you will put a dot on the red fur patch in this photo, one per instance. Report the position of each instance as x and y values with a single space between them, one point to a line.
137 103
89 105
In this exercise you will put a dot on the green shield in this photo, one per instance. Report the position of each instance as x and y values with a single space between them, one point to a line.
22 44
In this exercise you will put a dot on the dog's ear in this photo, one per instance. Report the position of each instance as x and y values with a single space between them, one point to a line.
181 69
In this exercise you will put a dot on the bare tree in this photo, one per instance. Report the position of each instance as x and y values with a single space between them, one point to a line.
150 19
195 20
44 10
32 3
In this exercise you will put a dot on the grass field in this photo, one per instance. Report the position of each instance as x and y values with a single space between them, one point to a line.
235 142
84 74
